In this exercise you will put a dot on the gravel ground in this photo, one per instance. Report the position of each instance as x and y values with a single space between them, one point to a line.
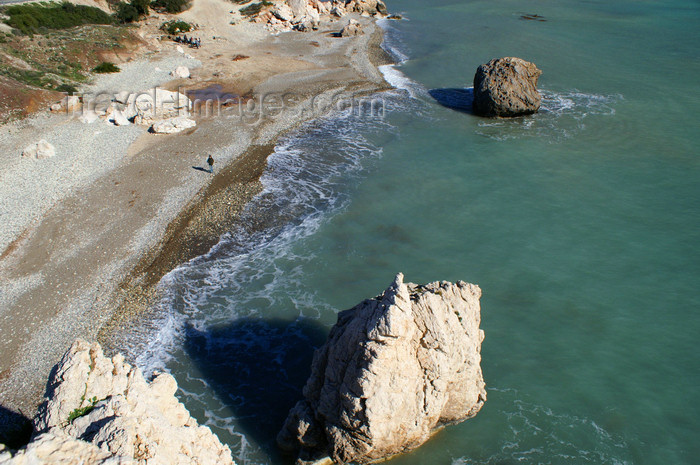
30 187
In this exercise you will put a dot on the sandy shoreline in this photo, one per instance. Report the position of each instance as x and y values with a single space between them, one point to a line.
87 259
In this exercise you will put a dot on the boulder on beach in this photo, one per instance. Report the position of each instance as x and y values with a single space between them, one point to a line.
41 149
99 410
181 72
506 87
353 28
68 104
158 104
173 125
393 370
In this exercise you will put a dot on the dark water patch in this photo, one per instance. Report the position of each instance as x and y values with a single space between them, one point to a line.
257 367
213 92
459 99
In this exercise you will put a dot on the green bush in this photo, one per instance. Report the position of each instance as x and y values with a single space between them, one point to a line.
171 6
106 67
175 27
141 6
254 8
36 17
67 88
82 411
126 13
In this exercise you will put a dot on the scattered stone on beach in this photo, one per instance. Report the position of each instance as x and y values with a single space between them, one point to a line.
393 370
173 125
353 28
39 150
68 104
181 72
506 87
180 49
119 118
103 411
88 117
158 104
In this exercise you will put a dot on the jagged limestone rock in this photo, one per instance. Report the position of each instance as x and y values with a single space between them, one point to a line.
394 369
506 87
110 407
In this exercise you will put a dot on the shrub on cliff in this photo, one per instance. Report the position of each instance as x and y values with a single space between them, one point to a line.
132 11
106 67
175 27
254 8
37 17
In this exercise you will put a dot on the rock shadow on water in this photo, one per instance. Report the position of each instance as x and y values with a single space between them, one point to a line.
257 367
459 99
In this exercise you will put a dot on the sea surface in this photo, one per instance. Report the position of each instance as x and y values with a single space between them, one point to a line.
581 224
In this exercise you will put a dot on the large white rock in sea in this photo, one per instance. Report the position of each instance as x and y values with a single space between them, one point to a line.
506 87
104 411
393 370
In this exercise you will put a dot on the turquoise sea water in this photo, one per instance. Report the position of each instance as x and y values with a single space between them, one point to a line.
581 224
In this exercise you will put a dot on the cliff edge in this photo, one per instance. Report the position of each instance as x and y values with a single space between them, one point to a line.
103 411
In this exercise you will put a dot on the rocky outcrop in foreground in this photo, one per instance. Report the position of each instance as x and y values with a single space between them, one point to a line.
102 411
393 370
506 87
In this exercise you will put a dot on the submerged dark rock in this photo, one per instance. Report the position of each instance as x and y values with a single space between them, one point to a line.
506 87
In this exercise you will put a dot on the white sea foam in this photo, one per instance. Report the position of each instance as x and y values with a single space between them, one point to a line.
561 115
533 433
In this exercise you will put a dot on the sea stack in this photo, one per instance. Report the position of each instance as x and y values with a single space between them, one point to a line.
394 369
506 87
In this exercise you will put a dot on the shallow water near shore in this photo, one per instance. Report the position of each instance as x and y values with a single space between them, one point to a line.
579 223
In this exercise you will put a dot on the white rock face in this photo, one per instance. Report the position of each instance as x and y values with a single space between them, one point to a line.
394 369
306 15
173 125
57 448
104 411
181 72
41 149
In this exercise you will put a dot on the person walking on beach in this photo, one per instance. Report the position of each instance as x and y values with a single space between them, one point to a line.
210 162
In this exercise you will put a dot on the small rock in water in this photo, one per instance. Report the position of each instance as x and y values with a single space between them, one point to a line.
506 87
